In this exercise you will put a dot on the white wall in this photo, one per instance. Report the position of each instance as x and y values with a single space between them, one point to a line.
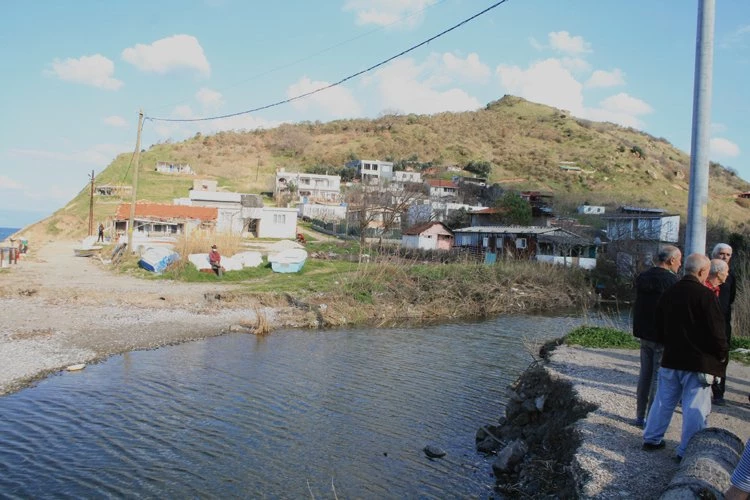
278 223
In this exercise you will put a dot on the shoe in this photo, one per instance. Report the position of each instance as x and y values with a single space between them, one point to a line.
638 422
653 447
719 401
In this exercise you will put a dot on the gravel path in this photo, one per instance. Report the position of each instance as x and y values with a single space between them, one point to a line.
611 452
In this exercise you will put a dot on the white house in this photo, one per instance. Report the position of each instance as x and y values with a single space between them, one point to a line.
402 177
591 209
441 188
312 187
372 170
651 224
436 210
167 167
277 222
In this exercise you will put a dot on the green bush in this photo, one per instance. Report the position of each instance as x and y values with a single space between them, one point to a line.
601 337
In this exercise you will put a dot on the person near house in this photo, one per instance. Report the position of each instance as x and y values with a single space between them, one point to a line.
690 325
101 233
740 488
214 258
649 286
727 292
717 275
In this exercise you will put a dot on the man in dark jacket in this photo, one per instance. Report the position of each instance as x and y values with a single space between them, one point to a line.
690 324
727 292
649 285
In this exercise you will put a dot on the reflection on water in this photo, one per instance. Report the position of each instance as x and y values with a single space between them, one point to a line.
293 415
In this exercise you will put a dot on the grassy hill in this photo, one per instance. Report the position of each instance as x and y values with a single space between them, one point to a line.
525 143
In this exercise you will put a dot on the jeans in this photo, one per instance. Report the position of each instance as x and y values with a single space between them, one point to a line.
696 405
650 360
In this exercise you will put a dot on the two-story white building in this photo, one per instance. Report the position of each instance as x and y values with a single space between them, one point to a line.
372 170
309 187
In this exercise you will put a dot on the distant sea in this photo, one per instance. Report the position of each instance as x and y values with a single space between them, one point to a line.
7 231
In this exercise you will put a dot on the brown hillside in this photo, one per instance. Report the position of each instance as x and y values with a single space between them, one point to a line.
525 143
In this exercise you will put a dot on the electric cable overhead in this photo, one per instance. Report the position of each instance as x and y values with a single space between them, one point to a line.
335 84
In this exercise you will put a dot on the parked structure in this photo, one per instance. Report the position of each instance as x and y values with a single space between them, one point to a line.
166 167
308 187
544 244
428 236
372 170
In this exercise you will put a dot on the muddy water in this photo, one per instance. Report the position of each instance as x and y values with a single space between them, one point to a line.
294 415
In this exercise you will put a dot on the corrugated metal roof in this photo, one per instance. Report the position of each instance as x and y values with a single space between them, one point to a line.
163 211
508 229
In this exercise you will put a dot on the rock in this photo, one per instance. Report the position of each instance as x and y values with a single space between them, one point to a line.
510 456
539 402
433 451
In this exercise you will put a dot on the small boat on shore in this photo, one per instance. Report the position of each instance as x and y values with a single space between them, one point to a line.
288 261
156 259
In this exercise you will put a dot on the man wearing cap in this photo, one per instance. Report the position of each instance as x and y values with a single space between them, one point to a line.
214 258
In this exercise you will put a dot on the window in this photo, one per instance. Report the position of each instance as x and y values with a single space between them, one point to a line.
279 218
521 243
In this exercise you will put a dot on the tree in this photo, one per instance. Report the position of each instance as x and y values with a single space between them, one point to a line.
514 209
482 168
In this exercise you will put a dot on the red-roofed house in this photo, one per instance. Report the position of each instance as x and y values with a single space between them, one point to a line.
428 236
160 219
440 188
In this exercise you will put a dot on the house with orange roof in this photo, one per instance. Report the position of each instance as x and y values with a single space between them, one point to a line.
428 236
441 188
161 219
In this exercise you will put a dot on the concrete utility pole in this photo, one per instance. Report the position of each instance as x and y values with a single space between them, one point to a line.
695 239
136 167
91 206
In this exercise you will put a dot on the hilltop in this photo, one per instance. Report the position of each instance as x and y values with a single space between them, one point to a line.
523 141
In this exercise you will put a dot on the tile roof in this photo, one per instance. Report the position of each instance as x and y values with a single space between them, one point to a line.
163 211
441 183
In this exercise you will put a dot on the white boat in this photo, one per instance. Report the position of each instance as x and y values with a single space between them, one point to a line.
157 259
288 261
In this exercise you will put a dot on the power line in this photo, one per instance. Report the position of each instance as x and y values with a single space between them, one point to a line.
321 89
322 51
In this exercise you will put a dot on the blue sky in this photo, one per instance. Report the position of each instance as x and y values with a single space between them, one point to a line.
77 72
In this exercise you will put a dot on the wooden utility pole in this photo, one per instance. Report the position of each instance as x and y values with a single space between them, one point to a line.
136 167
91 206
257 169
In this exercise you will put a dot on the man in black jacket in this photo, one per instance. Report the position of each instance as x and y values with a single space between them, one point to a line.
649 285
690 324
727 292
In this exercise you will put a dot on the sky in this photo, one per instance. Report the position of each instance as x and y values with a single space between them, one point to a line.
76 73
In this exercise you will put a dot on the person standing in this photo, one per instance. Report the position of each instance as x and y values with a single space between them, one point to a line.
727 292
649 286
214 258
101 233
690 324
717 276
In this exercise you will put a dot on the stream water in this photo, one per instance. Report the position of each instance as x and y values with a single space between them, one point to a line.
298 414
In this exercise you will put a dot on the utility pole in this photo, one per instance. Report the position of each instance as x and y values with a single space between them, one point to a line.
136 167
91 206
257 169
695 239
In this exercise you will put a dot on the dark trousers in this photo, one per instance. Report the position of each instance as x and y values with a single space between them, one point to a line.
720 383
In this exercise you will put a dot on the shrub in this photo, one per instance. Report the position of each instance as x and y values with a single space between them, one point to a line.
601 337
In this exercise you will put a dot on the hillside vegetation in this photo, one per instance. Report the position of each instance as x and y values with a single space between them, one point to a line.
524 142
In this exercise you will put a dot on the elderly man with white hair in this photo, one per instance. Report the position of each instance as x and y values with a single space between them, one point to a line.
727 292
690 324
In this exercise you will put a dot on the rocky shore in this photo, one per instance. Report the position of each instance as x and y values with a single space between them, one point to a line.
567 430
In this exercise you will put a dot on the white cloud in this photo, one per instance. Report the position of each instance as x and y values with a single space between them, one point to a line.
6 183
550 82
736 38
94 70
601 78
470 69
209 99
547 82
115 121
575 64
176 52
411 88
387 12
724 148
337 102
561 41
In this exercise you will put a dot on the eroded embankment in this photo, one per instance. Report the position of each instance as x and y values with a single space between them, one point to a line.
536 440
